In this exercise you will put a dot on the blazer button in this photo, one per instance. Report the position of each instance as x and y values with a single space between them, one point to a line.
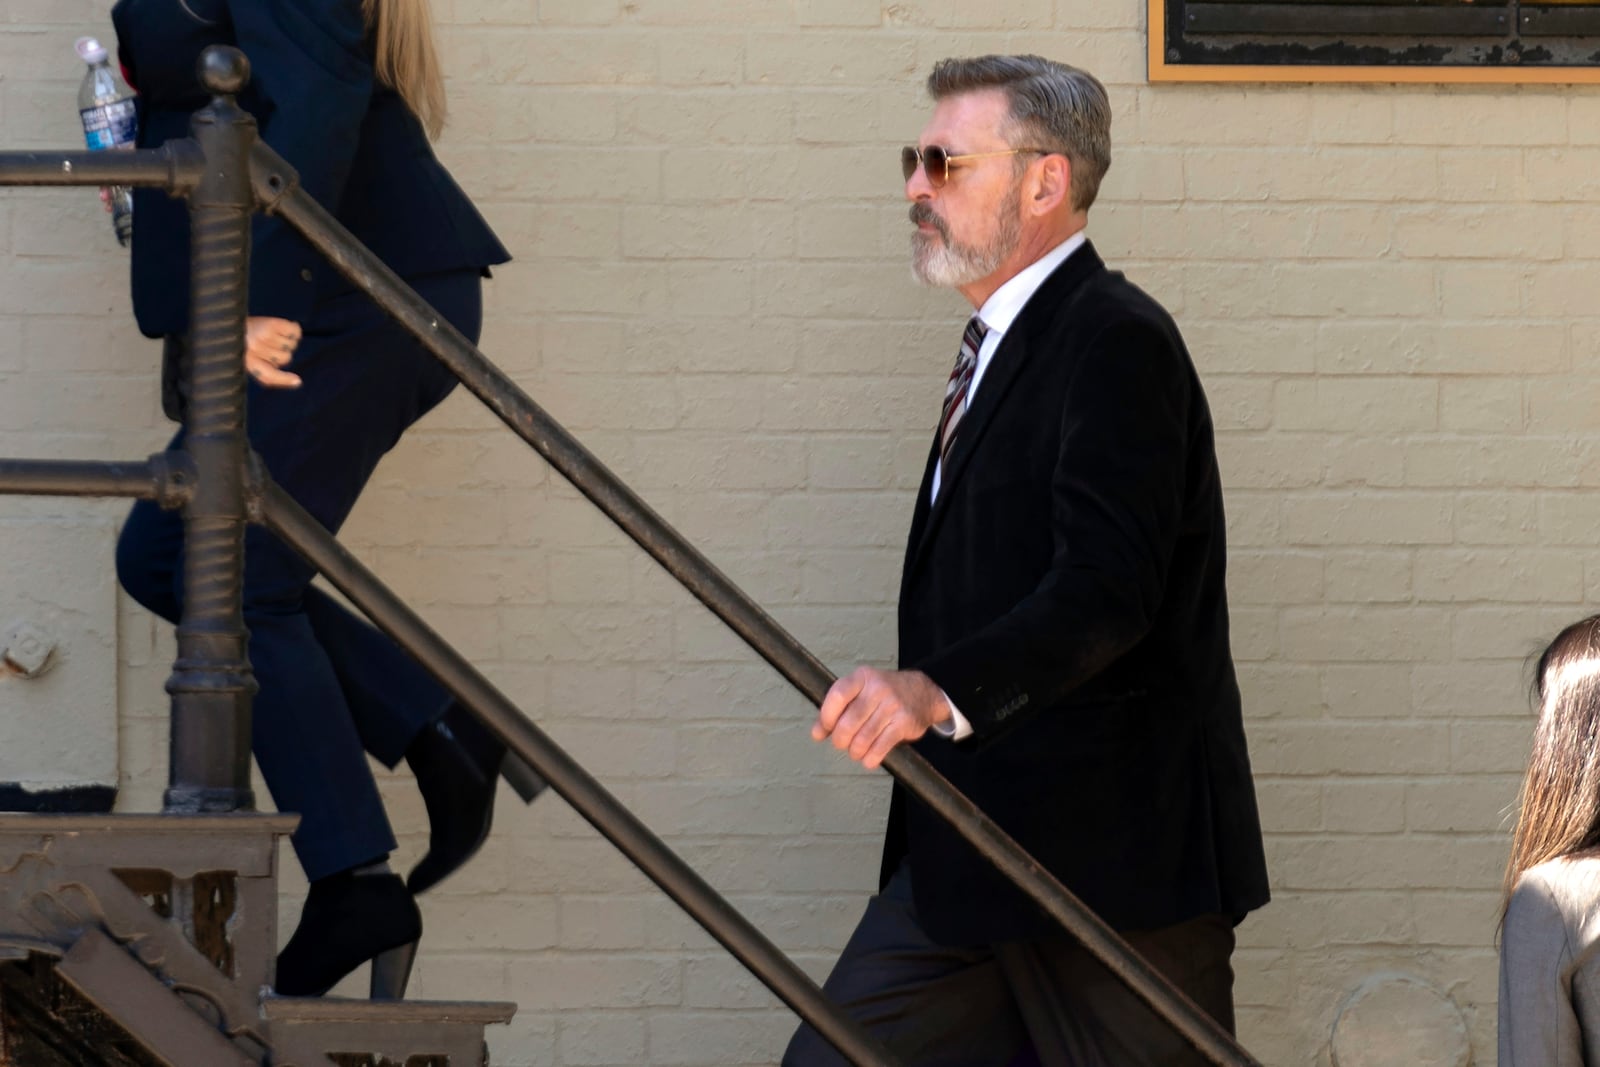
305 274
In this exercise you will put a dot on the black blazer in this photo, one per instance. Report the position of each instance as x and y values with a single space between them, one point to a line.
358 149
1067 592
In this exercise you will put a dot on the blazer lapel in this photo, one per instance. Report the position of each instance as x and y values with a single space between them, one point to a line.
1013 353
919 513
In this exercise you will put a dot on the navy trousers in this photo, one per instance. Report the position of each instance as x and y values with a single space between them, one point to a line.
331 686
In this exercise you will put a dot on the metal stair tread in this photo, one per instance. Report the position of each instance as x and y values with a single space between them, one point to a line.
232 822
354 1009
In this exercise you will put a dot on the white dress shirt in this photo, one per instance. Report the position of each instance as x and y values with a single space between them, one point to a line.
997 315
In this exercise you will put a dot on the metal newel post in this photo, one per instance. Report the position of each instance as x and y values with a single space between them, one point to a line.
211 683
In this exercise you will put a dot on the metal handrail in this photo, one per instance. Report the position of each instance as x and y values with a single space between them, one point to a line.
219 489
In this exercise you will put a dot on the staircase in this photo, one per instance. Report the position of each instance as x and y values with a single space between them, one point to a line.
144 940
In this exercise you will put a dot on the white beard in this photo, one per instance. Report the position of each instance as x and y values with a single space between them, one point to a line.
948 264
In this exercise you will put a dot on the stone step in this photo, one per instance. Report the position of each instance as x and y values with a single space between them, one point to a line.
324 1031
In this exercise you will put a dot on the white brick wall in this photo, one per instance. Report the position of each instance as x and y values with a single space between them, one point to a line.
1389 291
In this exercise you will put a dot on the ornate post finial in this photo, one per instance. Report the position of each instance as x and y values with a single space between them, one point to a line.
223 70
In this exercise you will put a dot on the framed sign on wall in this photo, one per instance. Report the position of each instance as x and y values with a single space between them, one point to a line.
1375 40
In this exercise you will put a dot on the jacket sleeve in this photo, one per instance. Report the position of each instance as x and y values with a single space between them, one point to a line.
1117 500
1538 1026
313 74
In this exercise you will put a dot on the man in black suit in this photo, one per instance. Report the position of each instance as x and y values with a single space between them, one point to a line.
1063 623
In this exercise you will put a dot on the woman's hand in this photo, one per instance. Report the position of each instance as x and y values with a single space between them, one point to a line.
269 345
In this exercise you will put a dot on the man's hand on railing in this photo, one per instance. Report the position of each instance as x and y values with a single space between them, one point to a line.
269 345
868 712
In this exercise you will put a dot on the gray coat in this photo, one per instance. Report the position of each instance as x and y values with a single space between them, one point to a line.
1550 967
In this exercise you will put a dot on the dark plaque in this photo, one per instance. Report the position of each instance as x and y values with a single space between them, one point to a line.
1375 40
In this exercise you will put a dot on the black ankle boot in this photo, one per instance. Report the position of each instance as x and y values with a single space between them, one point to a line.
350 919
457 762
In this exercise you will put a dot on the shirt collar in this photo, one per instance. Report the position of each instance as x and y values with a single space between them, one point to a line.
1007 302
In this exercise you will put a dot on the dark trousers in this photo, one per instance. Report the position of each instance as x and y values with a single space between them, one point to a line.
331 686
1016 1004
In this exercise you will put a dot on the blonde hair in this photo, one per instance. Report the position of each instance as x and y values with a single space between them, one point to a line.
408 62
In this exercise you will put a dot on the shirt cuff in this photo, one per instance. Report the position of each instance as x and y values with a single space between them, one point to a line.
957 728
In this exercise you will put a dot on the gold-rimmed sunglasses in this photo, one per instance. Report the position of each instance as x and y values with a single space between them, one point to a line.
935 160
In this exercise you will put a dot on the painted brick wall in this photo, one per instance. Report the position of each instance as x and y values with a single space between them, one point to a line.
1389 292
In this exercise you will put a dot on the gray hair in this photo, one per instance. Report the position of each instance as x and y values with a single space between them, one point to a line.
1053 106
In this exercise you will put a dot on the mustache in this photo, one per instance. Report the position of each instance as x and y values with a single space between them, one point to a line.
921 213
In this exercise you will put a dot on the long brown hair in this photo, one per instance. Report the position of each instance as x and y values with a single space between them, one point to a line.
408 62
1558 811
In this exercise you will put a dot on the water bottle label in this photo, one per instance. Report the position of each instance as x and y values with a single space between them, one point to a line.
113 125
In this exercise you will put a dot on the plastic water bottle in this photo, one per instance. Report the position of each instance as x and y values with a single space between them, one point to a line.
109 121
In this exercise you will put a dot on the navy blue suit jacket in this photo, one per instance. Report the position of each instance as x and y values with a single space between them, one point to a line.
1067 591
358 149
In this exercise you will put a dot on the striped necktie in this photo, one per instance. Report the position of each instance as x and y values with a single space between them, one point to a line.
955 394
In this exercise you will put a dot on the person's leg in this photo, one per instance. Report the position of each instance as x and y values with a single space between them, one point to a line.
149 554
933 1006
365 383
149 560
304 741
1078 1014
391 698
302 733
389 695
